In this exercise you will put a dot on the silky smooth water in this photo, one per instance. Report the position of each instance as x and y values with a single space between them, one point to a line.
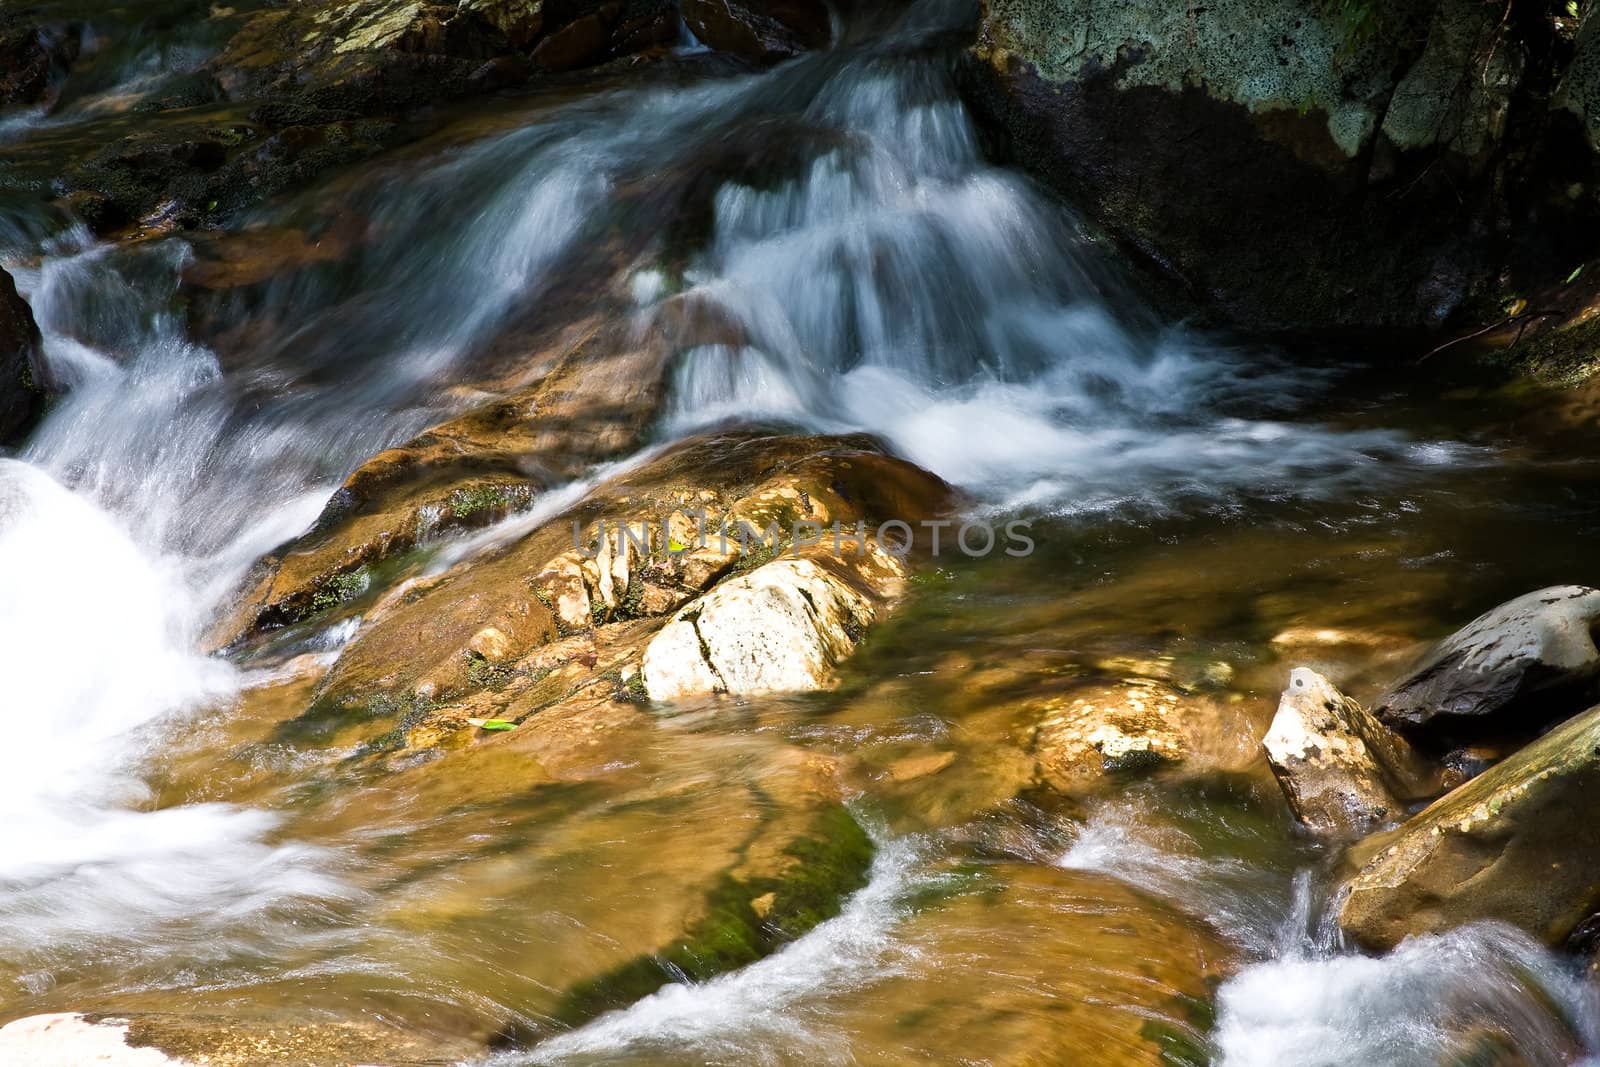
166 847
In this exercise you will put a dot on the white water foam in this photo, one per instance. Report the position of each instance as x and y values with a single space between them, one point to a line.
1408 1007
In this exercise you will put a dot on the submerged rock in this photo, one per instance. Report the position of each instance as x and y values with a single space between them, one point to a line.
1098 734
1519 843
1511 671
23 396
1335 762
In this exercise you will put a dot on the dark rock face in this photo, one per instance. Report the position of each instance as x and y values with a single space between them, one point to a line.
759 29
1527 663
33 58
23 396
1291 172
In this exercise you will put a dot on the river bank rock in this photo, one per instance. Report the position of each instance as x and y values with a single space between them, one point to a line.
1343 772
23 396
1376 146
34 57
1508 673
1518 843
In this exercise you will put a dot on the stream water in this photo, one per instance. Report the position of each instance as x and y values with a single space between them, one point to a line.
164 848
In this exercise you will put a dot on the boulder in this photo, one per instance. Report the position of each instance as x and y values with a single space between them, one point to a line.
23 396
1337 765
1519 843
759 29
782 627
1511 671
560 609
1366 141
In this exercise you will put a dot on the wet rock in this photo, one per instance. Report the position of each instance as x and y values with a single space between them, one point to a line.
23 393
34 58
1367 154
759 29
71 1040
783 627
1518 843
1002 959
1336 763
498 631
1521 666
593 405
1097 735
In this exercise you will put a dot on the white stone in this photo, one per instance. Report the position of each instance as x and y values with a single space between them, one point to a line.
70 1040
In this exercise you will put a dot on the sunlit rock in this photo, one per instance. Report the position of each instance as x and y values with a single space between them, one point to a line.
1518 843
1527 663
71 1040
1093 735
1333 759
783 627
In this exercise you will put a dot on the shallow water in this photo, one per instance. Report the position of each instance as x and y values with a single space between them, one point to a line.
170 846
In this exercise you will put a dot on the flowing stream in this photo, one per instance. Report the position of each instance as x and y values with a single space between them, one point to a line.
163 848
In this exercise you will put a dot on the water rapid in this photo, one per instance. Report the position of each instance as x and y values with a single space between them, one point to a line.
852 262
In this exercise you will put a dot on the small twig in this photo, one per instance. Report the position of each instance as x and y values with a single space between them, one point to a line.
1508 320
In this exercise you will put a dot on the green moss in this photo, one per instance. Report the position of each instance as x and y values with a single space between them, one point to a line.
477 500
830 863
1564 356
339 589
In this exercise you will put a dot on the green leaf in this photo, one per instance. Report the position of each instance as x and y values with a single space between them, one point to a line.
675 545
1574 275
493 724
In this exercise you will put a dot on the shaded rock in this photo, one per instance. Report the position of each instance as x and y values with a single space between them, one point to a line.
1343 772
1527 663
759 29
23 393
1370 158
33 58
1519 843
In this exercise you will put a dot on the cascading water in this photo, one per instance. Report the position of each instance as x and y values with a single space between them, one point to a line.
870 271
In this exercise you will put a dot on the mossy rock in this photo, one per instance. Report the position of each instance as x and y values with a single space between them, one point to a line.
747 917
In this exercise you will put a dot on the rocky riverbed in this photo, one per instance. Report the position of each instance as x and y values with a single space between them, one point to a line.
769 533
